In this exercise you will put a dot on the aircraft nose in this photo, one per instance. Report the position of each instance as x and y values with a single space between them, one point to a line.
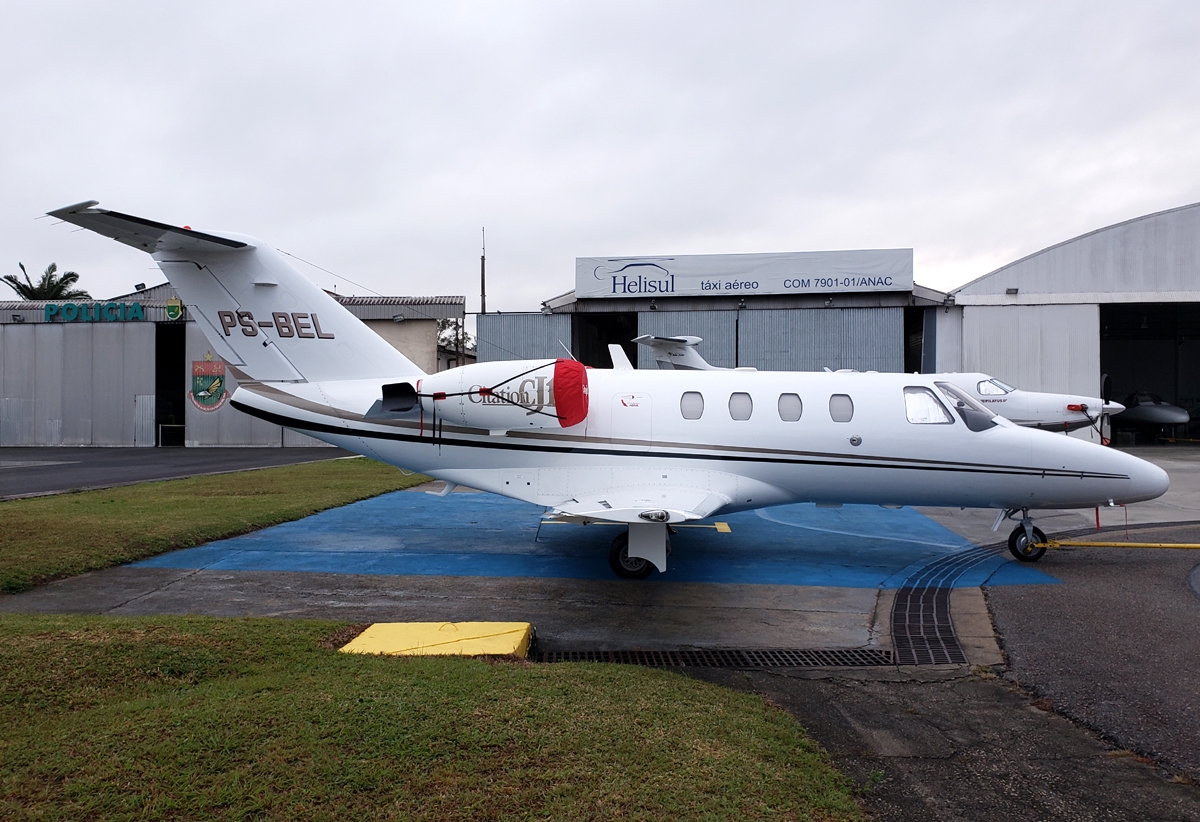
1146 481
1113 408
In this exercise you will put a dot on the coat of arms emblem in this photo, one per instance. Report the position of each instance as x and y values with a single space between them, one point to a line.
208 383
174 309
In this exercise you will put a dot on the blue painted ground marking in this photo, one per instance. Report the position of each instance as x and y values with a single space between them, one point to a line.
857 546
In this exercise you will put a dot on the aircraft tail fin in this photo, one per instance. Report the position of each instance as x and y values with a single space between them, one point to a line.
260 314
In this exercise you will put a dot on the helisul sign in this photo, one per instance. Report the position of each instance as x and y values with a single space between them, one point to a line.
712 275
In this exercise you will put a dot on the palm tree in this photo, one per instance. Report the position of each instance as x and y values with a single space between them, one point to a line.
49 287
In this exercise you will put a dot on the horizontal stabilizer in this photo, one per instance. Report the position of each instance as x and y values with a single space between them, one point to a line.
142 234
677 353
258 312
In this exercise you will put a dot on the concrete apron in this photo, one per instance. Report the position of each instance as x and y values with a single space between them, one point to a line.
412 557
567 614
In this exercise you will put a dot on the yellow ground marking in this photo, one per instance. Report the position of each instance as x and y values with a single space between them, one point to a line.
1053 543
442 639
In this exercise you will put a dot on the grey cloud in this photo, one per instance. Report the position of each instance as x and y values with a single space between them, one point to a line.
376 139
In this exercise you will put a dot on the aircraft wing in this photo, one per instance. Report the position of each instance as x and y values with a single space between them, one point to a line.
142 234
644 504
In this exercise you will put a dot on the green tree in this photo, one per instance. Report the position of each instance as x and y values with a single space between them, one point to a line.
448 335
51 286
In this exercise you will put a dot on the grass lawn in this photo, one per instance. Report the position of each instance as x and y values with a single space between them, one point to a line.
46 538
196 718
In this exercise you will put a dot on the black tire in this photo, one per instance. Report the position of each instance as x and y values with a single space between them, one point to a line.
623 565
1019 547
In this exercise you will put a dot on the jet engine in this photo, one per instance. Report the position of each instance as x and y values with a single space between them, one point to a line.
499 396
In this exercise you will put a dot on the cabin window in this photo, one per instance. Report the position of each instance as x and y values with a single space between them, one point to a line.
790 407
841 408
740 406
691 405
923 408
993 388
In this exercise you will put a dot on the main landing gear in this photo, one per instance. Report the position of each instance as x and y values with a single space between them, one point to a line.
1027 542
629 567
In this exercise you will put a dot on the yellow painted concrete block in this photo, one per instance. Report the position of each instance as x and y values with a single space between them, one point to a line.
442 639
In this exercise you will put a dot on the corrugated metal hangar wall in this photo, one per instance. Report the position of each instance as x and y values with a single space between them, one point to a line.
521 336
1036 347
96 384
107 374
865 339
85 384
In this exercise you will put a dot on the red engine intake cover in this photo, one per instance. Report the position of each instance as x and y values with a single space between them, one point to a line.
570 392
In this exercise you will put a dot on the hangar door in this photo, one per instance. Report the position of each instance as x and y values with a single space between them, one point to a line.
718 329
1035 347
865 339
1152 347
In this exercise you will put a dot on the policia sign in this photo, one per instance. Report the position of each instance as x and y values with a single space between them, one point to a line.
94 312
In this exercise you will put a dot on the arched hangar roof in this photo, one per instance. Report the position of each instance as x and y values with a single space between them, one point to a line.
1155 258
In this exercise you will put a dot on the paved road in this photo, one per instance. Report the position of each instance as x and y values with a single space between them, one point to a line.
963 748
35 471
1117 647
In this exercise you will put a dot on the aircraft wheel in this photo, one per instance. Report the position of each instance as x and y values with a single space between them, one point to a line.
1022 549
624 565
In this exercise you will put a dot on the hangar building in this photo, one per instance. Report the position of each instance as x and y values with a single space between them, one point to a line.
1121 301
136 370
787 312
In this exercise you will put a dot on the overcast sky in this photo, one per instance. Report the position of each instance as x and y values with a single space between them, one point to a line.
375 139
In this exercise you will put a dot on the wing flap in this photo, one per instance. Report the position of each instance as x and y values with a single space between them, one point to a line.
647 504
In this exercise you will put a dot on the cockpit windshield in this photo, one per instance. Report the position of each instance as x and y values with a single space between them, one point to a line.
993 388
977 417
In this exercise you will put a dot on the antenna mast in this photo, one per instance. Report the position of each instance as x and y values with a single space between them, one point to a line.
483 273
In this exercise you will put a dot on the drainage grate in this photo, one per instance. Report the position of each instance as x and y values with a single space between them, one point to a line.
922 632
921 629
729 658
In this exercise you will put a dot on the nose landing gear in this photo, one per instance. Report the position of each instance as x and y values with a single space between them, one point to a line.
1027 543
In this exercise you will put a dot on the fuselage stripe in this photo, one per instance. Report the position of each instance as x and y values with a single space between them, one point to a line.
832 461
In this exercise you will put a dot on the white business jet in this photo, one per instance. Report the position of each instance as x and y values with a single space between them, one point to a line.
646 448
